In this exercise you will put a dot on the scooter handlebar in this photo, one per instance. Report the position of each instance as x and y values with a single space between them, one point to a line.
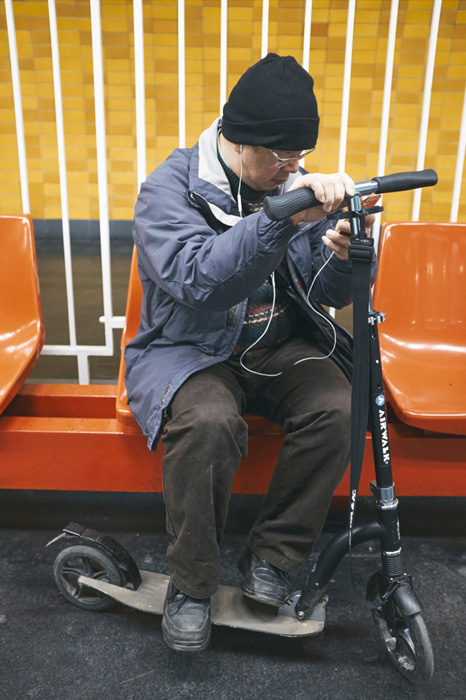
285 205
400 182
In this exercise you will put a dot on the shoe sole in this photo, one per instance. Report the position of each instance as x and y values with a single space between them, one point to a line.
192 649
243 566
265 601
185 646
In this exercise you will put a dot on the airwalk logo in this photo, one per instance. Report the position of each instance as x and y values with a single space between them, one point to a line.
384 436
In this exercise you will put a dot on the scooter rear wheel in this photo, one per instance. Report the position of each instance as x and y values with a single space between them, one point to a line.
406 641
84 560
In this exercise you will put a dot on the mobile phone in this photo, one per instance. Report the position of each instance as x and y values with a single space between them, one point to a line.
370 200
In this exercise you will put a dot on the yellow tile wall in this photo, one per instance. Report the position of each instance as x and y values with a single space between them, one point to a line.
286 26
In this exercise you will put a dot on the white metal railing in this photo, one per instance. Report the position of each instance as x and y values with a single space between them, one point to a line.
10 19
387 93
83 352
140 91
62 174
265 30
181 77
346 85
421 152
223 51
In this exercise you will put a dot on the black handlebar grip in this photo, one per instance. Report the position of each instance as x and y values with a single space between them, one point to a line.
289 203
399 182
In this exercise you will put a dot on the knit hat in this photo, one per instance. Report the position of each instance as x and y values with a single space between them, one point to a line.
273 104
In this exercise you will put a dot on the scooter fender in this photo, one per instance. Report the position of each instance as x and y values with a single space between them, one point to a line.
380 590
109 545
406 599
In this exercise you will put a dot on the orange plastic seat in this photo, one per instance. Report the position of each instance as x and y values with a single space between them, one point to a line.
22 332
421 287
132 317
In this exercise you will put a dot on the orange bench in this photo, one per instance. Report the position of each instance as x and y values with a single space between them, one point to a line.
84 438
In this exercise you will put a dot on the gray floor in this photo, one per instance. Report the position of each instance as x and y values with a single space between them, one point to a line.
53 650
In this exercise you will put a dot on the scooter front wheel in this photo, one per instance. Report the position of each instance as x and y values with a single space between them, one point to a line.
406 641
84 560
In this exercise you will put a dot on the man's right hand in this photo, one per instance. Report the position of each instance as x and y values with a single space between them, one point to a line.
330 190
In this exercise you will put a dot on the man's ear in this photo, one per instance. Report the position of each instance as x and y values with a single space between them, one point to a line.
236 147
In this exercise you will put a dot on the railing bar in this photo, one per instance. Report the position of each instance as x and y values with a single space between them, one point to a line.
306 50
102 169
387 90
223 52
346 85
139 80
23 173
83 369
181 76
62 171
70 350
455 200
265 28
346 94
387 94
116 321
421 153
307 34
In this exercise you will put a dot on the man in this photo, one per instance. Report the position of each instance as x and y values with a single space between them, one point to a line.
230 321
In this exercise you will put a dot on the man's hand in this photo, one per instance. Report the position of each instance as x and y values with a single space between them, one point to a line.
338 240
330 190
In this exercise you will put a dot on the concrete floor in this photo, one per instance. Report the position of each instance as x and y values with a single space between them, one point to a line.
52 650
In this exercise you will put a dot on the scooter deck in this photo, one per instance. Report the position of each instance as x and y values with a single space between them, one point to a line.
230 607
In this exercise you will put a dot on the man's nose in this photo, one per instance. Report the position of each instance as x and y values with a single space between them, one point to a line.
292 166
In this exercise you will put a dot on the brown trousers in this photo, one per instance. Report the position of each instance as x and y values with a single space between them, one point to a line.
206 438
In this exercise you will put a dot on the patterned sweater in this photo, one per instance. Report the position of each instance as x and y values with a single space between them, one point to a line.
260 303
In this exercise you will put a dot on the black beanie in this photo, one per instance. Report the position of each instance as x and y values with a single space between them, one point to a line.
273 104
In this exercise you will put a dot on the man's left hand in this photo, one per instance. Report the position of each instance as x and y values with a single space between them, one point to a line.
338 240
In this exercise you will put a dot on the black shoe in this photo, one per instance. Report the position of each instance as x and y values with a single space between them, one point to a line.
262 581
186 621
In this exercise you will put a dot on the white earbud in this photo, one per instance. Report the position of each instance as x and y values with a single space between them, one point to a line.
304 359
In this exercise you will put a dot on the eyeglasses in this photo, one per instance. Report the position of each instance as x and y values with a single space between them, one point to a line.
281 162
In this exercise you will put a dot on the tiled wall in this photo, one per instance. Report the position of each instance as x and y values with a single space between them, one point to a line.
203 90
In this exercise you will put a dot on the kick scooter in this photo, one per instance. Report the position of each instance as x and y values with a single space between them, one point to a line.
96 571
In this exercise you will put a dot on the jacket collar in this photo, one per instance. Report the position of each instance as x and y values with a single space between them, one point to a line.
208 180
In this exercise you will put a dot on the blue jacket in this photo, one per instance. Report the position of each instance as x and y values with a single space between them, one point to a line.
199 262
